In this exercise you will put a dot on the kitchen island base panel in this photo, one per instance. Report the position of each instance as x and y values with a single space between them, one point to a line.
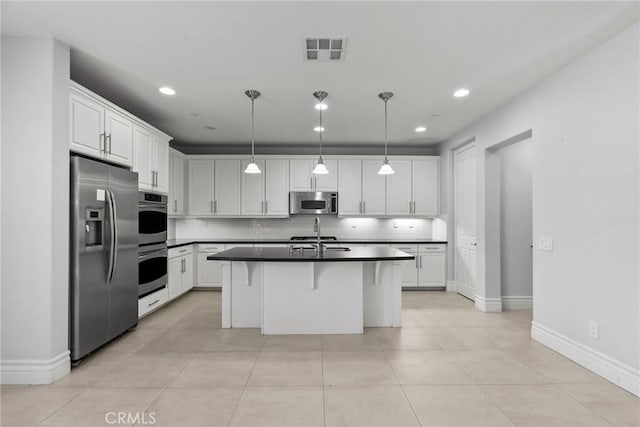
311 298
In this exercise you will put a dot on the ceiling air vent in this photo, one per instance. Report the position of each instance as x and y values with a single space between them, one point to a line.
324 48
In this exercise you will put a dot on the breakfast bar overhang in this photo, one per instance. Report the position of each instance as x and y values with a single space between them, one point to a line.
334 291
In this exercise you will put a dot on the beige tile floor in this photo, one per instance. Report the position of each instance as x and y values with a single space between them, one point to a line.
448 365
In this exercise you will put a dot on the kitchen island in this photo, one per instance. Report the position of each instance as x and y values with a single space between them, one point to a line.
303 291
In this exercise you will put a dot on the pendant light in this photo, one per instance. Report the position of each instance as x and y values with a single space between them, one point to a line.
252 167
386 168
320 168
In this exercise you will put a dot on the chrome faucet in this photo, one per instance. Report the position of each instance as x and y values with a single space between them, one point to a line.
316 229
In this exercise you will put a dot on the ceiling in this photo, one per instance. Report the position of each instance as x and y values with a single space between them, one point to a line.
211 52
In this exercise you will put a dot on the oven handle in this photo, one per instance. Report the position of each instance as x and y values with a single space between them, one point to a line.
158 253
152 207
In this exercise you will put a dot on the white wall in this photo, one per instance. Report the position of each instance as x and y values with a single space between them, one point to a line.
262 228
585 124
35 210
516 272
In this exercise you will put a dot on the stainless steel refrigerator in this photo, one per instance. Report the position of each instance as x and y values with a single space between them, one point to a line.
104 249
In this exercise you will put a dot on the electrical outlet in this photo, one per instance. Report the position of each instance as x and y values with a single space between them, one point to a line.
546 244
593 330
395 224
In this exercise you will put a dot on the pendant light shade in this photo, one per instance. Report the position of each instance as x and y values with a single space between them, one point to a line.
320 168
386 168
252 167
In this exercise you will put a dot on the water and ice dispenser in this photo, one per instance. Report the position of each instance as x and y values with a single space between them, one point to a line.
93 227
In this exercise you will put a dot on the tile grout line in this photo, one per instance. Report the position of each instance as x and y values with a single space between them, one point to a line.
404 393
324 405
580 403
244 388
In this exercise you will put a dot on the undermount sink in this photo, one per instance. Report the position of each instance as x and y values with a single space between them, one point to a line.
337 249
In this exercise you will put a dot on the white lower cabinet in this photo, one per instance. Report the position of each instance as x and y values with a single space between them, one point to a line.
180 271
152 302
209 273
428 270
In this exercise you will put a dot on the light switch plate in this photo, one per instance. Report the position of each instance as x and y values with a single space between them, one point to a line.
546 244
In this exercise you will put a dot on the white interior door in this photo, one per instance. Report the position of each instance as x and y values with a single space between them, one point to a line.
464 181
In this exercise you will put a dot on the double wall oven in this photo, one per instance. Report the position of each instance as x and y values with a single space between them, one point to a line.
152 242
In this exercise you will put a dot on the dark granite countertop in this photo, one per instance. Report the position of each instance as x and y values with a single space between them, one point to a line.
184 242
286 255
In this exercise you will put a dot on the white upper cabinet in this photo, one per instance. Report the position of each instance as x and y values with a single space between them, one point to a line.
399 201
253 190
176 184
349 187
276 185
302 179
218 187
142 157
426 187
98 131
87 126
151 159
214 188
162 163
119 137
200 195
361 191
373 189
104 131
266 193
227 187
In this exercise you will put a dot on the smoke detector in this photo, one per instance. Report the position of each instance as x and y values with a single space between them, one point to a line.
324 48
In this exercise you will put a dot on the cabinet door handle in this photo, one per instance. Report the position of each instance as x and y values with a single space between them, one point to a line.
417 258
315 182
155 182
414 207
215 207
153 303
109 138
364 207
175 206
102 145
311 183
212 206
420 258
266 206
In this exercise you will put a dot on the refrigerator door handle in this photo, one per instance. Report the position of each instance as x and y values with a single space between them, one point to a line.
111 220
113 259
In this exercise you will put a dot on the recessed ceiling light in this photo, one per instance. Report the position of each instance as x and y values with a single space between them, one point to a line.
461 93
421 129
319 129
321 106
167 90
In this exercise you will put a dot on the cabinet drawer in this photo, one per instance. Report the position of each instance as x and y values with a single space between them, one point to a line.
212 248
152 302
432 247
180 251
407 247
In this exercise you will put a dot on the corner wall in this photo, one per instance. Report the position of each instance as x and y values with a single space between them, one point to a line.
584 120
35 211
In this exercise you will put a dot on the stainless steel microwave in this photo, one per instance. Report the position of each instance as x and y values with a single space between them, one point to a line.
313 203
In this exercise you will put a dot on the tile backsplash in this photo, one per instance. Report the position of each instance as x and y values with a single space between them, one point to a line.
268 228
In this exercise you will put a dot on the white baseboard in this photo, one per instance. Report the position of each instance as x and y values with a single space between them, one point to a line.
618 373
517 302
33 371
451 286
488 305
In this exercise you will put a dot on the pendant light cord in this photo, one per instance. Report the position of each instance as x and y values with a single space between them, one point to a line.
385 130
321 132
252 133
